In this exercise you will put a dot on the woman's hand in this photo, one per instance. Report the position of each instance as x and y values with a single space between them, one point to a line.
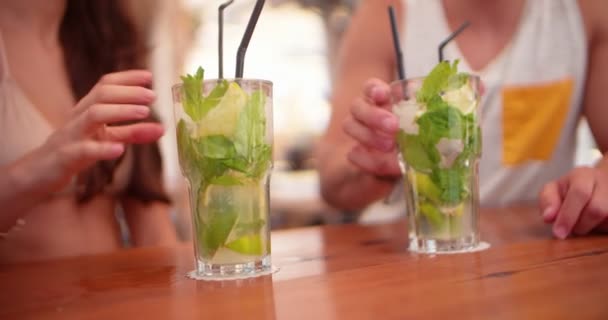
87 137
373 126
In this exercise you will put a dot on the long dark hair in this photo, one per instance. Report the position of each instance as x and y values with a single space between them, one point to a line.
99 37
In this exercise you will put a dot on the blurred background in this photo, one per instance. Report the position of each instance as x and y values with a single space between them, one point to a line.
294 46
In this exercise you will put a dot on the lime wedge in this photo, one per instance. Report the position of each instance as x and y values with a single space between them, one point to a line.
249 244
426 187
462 99
432 214
222 119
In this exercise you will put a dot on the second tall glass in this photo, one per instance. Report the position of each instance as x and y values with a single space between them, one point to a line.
439 149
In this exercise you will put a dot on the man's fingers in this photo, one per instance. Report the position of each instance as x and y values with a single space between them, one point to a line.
594 213
367 137
377 119
376 163
603 227
550 201
377 92
580 189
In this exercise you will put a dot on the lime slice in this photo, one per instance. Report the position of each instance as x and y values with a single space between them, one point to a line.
462 99
222 119
432 214
250 245
455 211
425 187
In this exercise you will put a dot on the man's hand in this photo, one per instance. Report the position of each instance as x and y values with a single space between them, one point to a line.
577 203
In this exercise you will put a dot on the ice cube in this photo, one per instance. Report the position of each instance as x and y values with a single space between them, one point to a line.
407 112
449 150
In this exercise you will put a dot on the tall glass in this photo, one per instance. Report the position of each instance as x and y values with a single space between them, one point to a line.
439 149
224 139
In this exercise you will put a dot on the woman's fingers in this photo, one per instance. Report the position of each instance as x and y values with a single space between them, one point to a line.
115 94
128 78
144 132
111 93
102 114
79 155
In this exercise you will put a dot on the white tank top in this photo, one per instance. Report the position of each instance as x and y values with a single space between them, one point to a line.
532 103
23 128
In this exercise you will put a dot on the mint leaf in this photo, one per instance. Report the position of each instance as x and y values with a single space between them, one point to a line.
216 147
415 153
211 169
262 159
251 125
222 217
186 152
192 94
214 98
452 183
237 163
445 122
436 81
472 140
435 103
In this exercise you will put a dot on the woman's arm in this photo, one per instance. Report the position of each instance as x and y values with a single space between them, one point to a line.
20 190
149 223
84 140
145 202
366 52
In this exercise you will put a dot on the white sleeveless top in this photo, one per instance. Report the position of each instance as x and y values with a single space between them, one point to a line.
23 128
532 103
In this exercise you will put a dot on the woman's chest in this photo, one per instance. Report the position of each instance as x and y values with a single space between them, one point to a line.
62 227
40 74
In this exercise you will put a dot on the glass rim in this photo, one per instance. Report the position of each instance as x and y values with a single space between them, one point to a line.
230 80
420 79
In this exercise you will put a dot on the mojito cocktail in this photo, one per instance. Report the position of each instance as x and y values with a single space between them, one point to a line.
439 148
224 138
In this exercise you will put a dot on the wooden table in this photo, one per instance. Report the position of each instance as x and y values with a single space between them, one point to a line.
334 272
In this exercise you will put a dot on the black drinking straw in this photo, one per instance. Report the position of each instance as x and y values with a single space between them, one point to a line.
401 71
240 57
450 38
220 45
396 43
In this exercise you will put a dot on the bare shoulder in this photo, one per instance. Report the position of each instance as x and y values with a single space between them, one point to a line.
594 17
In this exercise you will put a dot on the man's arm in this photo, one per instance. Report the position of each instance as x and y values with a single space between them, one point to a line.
595 102
366 52
578 202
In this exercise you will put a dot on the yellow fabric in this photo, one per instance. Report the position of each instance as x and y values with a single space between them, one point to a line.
533 118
